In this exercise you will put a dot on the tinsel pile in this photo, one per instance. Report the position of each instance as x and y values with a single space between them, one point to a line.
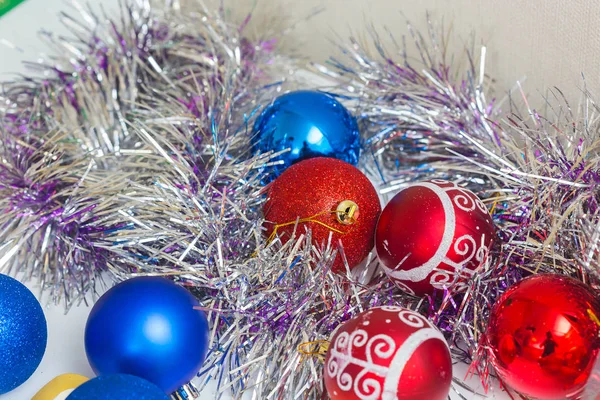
127 154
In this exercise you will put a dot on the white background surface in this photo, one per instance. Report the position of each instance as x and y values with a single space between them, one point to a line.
550 42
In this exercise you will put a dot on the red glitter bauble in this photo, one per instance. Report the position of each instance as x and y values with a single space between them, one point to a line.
433 234
543 336
388 353
328 196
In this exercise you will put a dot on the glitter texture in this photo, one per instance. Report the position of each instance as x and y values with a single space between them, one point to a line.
316 187
23 333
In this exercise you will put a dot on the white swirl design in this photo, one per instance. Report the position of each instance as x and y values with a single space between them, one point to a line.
465 246
452 197
412 319
379 348
483 251
467 201
481 206
384 349
441 279
367 388
464 201
391 308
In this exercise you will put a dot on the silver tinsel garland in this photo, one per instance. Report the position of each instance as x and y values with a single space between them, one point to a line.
75 138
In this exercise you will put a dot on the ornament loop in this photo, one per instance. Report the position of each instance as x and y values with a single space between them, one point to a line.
347 212
303 220
316 348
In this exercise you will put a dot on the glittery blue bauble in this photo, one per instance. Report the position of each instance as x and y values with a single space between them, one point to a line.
117 387
23 333
311 124
147 327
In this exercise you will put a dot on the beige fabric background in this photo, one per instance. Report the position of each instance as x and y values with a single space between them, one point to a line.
548 42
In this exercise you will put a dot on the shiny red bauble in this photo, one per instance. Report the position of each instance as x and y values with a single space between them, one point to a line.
543 336
328 196
388 353
433 234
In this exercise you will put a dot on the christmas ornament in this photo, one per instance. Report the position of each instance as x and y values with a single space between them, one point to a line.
388 353
433 234
147 327
543 336
60 387
311 124
329 196
23 333
118 386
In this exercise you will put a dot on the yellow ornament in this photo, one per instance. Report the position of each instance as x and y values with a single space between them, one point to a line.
60 387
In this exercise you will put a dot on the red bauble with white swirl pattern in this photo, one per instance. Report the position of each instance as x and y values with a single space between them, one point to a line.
388 353
432 235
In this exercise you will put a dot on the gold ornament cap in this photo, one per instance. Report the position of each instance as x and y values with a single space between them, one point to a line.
347 212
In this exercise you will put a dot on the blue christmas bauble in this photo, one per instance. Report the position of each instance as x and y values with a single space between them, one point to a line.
23 333
147 327
311 124
117 386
